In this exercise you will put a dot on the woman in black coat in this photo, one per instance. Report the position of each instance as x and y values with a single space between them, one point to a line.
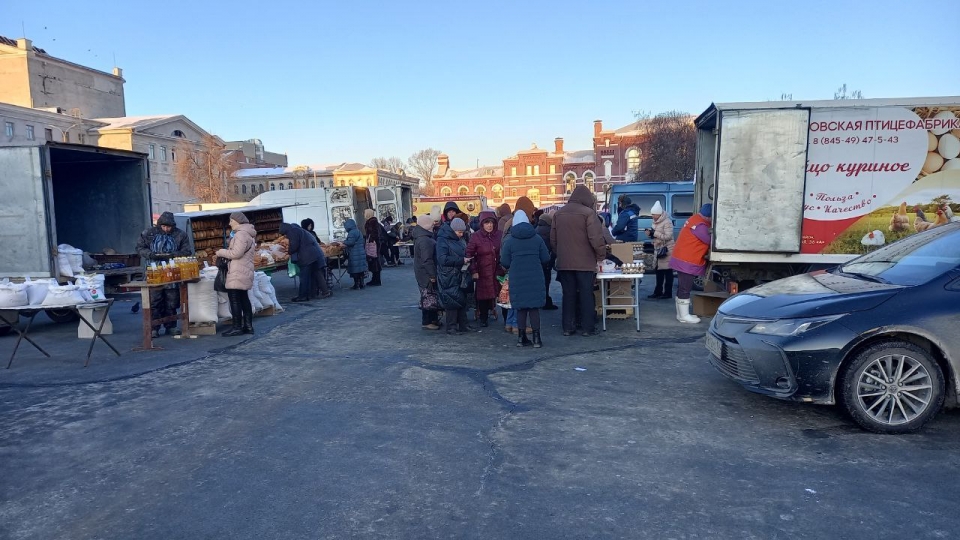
425 268
372 229
451 259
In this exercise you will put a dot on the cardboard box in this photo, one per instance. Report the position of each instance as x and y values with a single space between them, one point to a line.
624 251
618 288
706 304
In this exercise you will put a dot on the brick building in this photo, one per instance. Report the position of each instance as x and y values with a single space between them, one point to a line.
549 177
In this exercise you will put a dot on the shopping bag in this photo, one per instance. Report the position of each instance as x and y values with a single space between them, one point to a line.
429 301
292 269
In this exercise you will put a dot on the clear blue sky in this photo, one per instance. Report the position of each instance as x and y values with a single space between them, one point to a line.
348 81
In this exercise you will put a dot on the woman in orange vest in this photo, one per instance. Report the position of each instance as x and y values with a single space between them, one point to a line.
690 259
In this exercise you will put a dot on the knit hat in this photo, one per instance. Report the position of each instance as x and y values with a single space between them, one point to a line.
458 225
626 201
520 217
239 218
525 204
706 210
368 213
657 209
425 221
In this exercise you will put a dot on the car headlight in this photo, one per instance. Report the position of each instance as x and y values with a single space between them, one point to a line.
791 327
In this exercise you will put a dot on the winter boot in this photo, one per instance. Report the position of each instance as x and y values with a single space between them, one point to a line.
683 312
236 322
522 341
356 284
536 340
248 323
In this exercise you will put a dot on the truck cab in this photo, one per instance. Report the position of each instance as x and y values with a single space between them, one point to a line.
676 198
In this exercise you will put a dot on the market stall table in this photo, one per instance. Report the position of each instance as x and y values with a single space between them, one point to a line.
408 246
605 278
149 322
30 312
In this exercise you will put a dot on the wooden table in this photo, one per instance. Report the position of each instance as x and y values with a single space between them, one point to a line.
149 322
30 312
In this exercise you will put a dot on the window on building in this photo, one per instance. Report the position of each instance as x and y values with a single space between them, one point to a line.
66 136
446 191
48 134
281 186
513 171
152 151
633 159
9 128
536 170
313 184
588 180
173 155
463 190
513 192
481 190
570 181
289 185
243 189
529 170
81 138
178 133
553 169
553 190
497 190
236 189
30 134
261 188
607 169
273 187
163 153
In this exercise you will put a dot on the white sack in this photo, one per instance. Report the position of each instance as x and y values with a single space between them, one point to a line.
94 286
223 306
265 299
13 295
203 302
66 295
267 290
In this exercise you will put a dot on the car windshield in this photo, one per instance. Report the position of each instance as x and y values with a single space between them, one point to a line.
914 260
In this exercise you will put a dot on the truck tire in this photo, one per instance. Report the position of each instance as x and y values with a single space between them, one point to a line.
698 283
892 387
62 315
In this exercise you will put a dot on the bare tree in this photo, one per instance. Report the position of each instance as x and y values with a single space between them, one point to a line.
422 164
841 93
203 170
669 147
391 164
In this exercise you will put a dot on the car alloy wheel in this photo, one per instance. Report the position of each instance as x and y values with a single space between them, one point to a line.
893 387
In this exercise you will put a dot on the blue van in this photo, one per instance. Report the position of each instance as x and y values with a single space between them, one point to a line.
676 198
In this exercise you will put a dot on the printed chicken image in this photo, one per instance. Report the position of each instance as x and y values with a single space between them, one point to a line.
900 222
874 239
948 213
920 224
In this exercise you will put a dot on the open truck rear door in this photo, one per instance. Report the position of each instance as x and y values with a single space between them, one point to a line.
761 167
24 218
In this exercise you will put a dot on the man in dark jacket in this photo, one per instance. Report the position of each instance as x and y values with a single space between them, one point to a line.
425 267
450 212
543 229
158 244
306 253
626 228
577 239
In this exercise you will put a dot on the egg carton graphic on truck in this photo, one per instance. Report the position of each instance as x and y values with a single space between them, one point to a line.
798 186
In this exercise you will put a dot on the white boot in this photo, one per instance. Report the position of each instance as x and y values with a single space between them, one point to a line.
683 312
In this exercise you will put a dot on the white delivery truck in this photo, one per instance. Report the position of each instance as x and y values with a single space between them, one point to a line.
329 208
798 186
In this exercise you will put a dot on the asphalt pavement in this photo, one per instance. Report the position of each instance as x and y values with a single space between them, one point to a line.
342 418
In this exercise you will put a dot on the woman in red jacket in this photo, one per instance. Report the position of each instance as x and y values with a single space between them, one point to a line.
484 247
690 259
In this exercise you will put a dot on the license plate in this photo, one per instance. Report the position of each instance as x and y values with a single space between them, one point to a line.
714 346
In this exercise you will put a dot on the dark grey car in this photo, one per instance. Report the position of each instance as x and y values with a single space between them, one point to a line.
879 335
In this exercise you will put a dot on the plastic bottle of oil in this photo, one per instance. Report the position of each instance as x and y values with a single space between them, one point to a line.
153 275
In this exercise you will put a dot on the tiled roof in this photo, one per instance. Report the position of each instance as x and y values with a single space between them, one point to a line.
13 43
579 156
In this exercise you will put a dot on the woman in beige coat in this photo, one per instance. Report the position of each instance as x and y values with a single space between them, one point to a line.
240 273
662 235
